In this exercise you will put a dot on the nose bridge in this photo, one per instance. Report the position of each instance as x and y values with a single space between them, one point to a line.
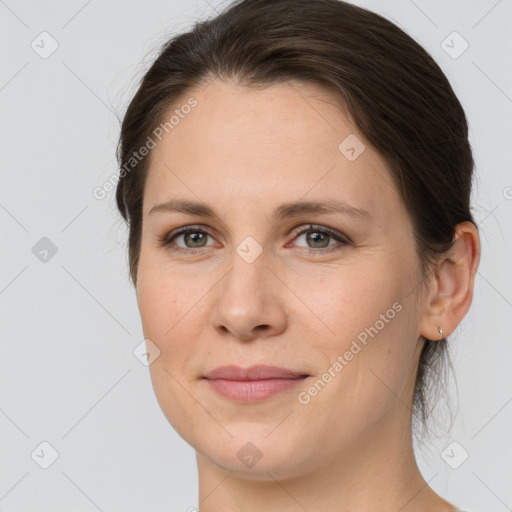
244 283
246 298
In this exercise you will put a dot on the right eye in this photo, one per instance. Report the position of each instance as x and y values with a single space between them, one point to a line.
194 239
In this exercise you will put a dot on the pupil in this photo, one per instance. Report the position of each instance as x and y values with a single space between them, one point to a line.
314 238
195 236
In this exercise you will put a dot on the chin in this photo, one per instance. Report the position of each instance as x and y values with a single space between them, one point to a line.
253 456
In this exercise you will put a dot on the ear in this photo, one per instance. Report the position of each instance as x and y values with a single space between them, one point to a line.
451 289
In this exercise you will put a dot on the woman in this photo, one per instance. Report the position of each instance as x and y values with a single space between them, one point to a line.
296 177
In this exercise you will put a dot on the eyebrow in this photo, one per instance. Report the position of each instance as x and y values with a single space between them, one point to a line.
285 210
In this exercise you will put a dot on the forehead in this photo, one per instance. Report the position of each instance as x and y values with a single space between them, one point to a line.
285 142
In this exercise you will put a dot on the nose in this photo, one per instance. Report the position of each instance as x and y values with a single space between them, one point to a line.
249 301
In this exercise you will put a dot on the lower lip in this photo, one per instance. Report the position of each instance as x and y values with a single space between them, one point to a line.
252 390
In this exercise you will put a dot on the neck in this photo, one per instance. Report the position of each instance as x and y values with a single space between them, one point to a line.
377 472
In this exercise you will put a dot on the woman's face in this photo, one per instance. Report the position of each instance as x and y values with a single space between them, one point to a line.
254 284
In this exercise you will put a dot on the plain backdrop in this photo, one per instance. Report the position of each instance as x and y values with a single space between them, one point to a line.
73 396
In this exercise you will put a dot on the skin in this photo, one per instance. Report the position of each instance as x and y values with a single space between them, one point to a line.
244 152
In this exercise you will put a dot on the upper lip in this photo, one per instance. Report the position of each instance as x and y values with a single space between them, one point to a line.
258 372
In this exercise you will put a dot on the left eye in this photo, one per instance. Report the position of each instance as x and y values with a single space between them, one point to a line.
319 237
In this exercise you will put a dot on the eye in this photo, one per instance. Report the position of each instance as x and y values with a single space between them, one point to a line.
194 239
318 237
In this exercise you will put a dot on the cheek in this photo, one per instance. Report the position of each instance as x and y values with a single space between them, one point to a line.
174 311
156 304
370 381
371 328
342 302
163 296
166 311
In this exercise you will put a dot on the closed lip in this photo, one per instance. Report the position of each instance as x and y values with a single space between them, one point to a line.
257 372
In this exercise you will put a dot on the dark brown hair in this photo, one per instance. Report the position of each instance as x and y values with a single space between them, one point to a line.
396 94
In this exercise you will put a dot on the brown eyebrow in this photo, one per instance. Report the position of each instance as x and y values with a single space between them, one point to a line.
283 211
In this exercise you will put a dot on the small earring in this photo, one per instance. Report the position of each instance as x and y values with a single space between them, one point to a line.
440 332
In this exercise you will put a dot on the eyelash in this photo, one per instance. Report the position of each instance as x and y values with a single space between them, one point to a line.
166 241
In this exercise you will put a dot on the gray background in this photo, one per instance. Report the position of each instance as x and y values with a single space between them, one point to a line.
69 324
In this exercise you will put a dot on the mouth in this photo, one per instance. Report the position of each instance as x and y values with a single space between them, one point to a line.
253 384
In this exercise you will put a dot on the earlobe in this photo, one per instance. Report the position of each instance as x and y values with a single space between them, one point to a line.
452 290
